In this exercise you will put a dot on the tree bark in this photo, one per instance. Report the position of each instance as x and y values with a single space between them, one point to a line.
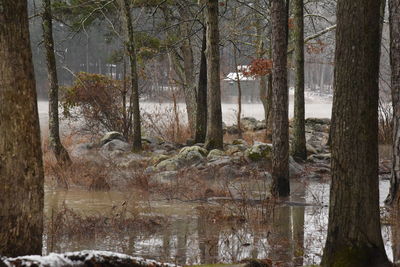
188 64
134 98
299 150
21 169
201 114
394 24
354 196
280 100
58 149
214 136
239 99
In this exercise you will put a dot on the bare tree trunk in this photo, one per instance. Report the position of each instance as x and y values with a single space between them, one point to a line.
239 99
299 150
394 24
134 99
214 136
201 114
354 196
54 126
188 64
280 100
21 168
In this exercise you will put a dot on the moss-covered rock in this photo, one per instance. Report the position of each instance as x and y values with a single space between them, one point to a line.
259 151
215 153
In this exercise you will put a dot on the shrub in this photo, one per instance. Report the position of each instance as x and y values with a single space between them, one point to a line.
102 103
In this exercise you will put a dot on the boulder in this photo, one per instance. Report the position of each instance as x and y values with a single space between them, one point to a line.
186 157
188 149
171 164
111 136
249 123
235 149
239 142
259 151
295 169
82 149
157 158
115 145
154 140
311 150
219 162
215 153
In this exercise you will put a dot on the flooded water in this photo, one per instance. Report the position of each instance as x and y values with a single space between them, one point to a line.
293 233
315 109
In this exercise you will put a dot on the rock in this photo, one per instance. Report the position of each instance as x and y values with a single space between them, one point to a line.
164 177
81 150
215 153
320 157
232 129
229 172
311 150
259 151
190 142
234 149
82 258
154 140
111 136
219 162
171 164
187 156
189 149
248 123
295 169
313 121
115 145
239 142
158 158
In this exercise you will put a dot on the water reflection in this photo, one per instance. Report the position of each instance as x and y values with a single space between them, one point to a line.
293 234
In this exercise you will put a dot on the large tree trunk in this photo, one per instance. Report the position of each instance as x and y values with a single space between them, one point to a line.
299 150
354 230
280 100
54 129
201 114
214 136
394 24
188 65
21 169
134 98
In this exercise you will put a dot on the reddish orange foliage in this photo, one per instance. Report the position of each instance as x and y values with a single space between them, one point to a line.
259 67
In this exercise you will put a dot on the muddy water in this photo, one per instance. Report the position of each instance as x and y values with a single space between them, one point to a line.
292 233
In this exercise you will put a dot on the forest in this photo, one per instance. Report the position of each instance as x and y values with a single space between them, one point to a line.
200 133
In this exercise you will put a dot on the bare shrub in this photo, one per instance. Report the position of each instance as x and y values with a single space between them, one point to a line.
166 122
385 123
102 103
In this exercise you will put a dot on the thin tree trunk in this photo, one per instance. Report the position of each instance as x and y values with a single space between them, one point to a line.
201 114
214 136
299 150
21 168
239 99
54 126
134 98
280 100
394 24
354 196
188 64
